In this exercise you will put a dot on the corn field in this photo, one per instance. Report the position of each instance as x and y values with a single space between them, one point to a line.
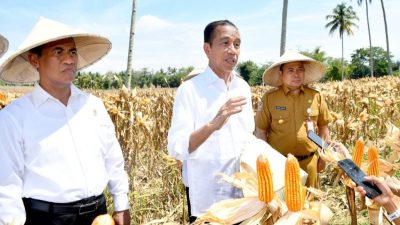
360 109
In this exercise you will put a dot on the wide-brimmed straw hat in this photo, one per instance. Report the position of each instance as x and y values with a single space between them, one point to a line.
314 70
3 45
90 48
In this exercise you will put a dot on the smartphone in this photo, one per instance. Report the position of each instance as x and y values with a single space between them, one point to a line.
357 175
317 139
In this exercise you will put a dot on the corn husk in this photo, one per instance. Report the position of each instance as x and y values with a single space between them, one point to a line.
392 139
232 211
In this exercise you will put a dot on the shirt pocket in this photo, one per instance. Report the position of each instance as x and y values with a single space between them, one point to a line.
280 121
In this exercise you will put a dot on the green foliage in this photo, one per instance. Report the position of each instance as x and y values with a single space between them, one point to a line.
342 19
256 77
172 77
360 62
246 68
334 69
316 54
251 72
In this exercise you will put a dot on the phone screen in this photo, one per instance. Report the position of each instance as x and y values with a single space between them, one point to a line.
357 175
317 139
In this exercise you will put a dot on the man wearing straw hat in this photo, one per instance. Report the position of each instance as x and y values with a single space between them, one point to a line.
212 117
58 148
292 108
3 45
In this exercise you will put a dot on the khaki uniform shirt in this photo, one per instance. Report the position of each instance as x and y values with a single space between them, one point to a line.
284 117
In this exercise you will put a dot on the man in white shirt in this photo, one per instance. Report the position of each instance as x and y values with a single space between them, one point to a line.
212 119
58 148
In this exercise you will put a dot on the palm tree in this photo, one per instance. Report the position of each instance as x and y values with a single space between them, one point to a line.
371 59
283 31
342 18
129 69
387 41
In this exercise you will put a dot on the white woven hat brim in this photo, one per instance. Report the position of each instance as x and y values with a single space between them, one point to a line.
314 70
3 45
90 48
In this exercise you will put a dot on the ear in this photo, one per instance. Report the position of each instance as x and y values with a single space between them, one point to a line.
34 60
207 48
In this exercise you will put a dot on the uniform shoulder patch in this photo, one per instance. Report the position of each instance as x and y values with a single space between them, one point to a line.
314 88
271 90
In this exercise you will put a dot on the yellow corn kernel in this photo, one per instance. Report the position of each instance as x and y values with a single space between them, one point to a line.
265 184
358 152
293 188
373 159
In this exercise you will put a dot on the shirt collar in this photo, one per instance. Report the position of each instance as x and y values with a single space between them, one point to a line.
39 95
211 77
286 90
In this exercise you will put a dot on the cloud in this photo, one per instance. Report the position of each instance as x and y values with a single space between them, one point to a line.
149 23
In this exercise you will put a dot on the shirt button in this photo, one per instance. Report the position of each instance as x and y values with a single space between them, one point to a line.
280 121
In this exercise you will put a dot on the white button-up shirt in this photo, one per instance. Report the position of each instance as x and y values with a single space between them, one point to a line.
196 103
58 153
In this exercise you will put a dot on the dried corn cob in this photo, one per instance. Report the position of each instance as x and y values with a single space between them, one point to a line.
373 158
293 190
358 152
265 184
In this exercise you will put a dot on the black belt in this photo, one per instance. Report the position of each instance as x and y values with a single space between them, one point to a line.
303 157
84 206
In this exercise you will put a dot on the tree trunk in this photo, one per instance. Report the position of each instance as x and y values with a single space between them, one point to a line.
387 41
342 60
283 31
371 59
129 69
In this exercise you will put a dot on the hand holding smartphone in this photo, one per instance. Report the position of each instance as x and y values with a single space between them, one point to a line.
317 139
351 169
357 175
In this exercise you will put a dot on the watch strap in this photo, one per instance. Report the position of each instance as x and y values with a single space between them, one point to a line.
394 215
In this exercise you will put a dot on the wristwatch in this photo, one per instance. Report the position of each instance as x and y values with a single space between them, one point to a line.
394 215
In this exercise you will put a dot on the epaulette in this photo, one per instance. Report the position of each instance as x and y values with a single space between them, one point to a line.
272 89
314 87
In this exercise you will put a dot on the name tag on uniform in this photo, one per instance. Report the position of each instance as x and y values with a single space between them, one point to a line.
280 107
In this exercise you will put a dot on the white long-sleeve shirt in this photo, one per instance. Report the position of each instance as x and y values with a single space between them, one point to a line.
58 153
196 103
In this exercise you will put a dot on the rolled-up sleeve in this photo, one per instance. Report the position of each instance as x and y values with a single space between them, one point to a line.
324 117
182 125
263 118
12 210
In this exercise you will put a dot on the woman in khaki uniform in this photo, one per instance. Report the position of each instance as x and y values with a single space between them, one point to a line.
292 108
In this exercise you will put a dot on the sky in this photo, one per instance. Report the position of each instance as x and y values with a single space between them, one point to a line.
169 33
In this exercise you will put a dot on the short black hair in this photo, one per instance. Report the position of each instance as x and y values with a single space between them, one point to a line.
37 50
210 28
